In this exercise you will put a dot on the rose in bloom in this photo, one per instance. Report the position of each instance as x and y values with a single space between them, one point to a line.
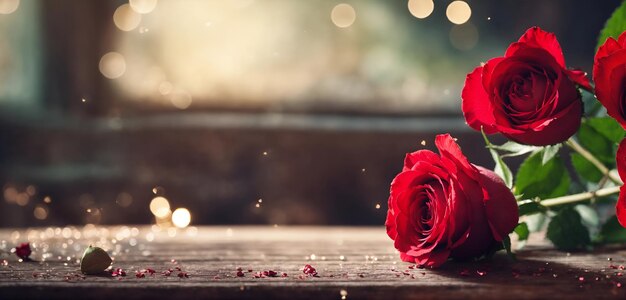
528 95
609 75
23 251
441 206
620 208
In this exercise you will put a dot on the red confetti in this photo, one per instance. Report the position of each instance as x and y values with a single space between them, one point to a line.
167 273
481 273
150 271
140 274
284 275
239 273
183 275
581 278
23 251
309 270
118 272
239 269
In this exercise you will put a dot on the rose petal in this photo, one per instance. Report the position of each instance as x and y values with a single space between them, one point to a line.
609 46
620 160
605 79
620 207
421 155
450 151
500 204
537 38
476 105
580 78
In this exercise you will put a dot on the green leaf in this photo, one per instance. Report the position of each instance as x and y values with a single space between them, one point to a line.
612 232
585 169
550 152
608 128
566 230
501 168
536 221
535 179
529 207
522 231
588 215
514 149
614 26
596 143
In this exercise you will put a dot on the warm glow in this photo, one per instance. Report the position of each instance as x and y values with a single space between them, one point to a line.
40 212
180 99
143 6
343 15
181 217
160 207
458 12
421 8
125 18
112 65
8 6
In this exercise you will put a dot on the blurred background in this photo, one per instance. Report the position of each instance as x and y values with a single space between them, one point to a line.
242 111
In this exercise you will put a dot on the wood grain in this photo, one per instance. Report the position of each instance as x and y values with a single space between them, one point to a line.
360 261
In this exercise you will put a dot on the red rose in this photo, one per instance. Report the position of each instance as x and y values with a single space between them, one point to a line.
442 206
528 95
609 74
23 251
620 207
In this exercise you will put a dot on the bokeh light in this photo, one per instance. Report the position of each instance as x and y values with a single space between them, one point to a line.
181 217
40 212
181 99
421 8
125 18
112 65
143 6
458 12
8 6
160 207
343 15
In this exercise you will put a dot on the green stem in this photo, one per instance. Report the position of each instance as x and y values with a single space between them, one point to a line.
580 197
593 160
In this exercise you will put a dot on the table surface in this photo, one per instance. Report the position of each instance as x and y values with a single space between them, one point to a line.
352 262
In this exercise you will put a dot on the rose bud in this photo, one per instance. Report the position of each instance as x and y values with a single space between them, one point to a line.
620 207
95 260
609 75
528 95
23 251
441 206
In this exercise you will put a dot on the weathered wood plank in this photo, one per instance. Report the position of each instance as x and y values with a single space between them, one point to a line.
359 261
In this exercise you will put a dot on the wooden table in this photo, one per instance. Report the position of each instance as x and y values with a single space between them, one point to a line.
353 262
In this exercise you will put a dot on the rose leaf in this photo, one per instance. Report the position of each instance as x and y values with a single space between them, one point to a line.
535 179
566 230
522 231
611 232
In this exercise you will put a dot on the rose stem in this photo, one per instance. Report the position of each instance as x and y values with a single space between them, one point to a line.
580 197
593 160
